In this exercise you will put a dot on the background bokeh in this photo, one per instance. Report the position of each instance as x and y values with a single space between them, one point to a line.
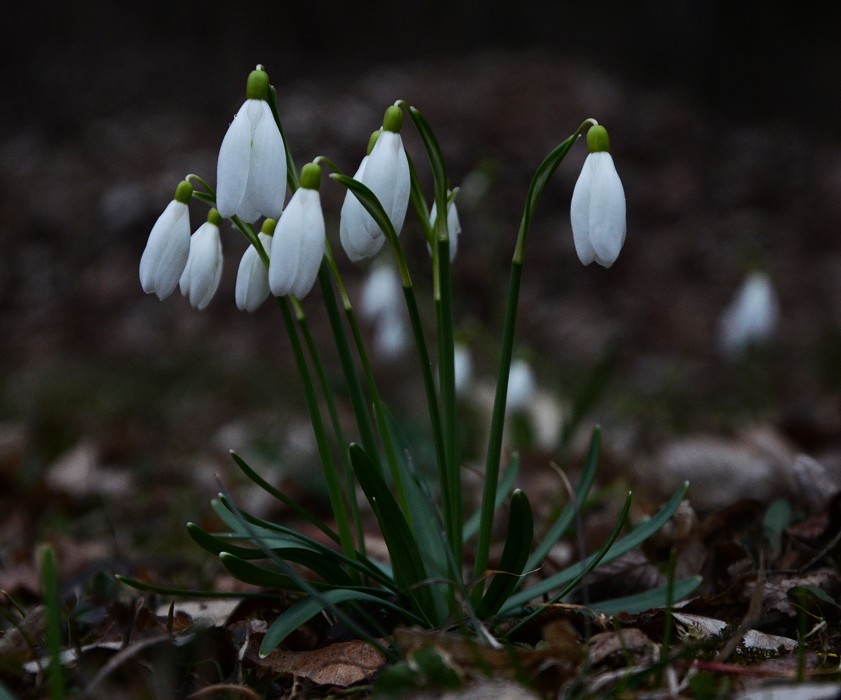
724 119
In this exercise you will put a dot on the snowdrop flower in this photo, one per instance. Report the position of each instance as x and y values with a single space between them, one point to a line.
453 224
385 171
203 270
168 247
752 316
462 368
597 210
298 242
522 387
253 275
251 170
381 304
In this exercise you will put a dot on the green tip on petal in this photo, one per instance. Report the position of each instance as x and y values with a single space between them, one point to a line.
373 140
393 119
257 87
311 176
214 217
597 139
183 192
268 226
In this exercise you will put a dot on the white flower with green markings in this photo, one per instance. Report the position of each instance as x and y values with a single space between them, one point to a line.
597 210
203 270
252 287
251 170
168 247
299 239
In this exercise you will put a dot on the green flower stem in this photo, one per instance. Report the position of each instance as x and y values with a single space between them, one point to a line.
494 453
330 473
350 483
449 469
291 169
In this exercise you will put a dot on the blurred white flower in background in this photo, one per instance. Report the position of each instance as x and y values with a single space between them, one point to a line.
751 318
382 305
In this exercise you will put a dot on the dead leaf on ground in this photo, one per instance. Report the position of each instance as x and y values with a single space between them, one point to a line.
338 665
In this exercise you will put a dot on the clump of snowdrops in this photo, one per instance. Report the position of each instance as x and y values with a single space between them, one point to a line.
428 580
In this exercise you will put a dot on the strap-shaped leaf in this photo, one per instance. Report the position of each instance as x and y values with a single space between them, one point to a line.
283 498
559 527
506 486
307 608
647 600
626 544
515 553
406 561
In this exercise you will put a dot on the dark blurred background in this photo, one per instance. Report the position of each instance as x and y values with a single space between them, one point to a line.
724 118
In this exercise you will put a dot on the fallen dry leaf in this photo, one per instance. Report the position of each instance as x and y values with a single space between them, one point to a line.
338 665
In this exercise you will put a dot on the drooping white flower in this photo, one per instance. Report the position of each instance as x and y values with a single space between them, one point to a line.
453 225
462 368
200 278
597 210
381 304
298 241
251 170
386 173
522 386
253 275
168 246
751 318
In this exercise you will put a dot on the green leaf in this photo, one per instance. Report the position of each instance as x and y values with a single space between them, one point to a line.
515 553
183 592
407 563
559 527
626 544
506 485
306 609
647 600
283 498
258 576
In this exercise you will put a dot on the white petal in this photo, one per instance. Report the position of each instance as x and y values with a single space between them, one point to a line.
361 238
297 245
382 293
252 287
203 272
579 213
166 252
387 176
453 225
607 210
752 316
521 386
233 164
267 176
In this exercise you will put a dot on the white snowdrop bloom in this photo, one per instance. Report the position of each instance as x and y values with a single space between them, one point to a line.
298 241
203 270
251 170
386 173
253 275
168 247
597 210
463 368
522 387
355 223
381 304
453 225
752 316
